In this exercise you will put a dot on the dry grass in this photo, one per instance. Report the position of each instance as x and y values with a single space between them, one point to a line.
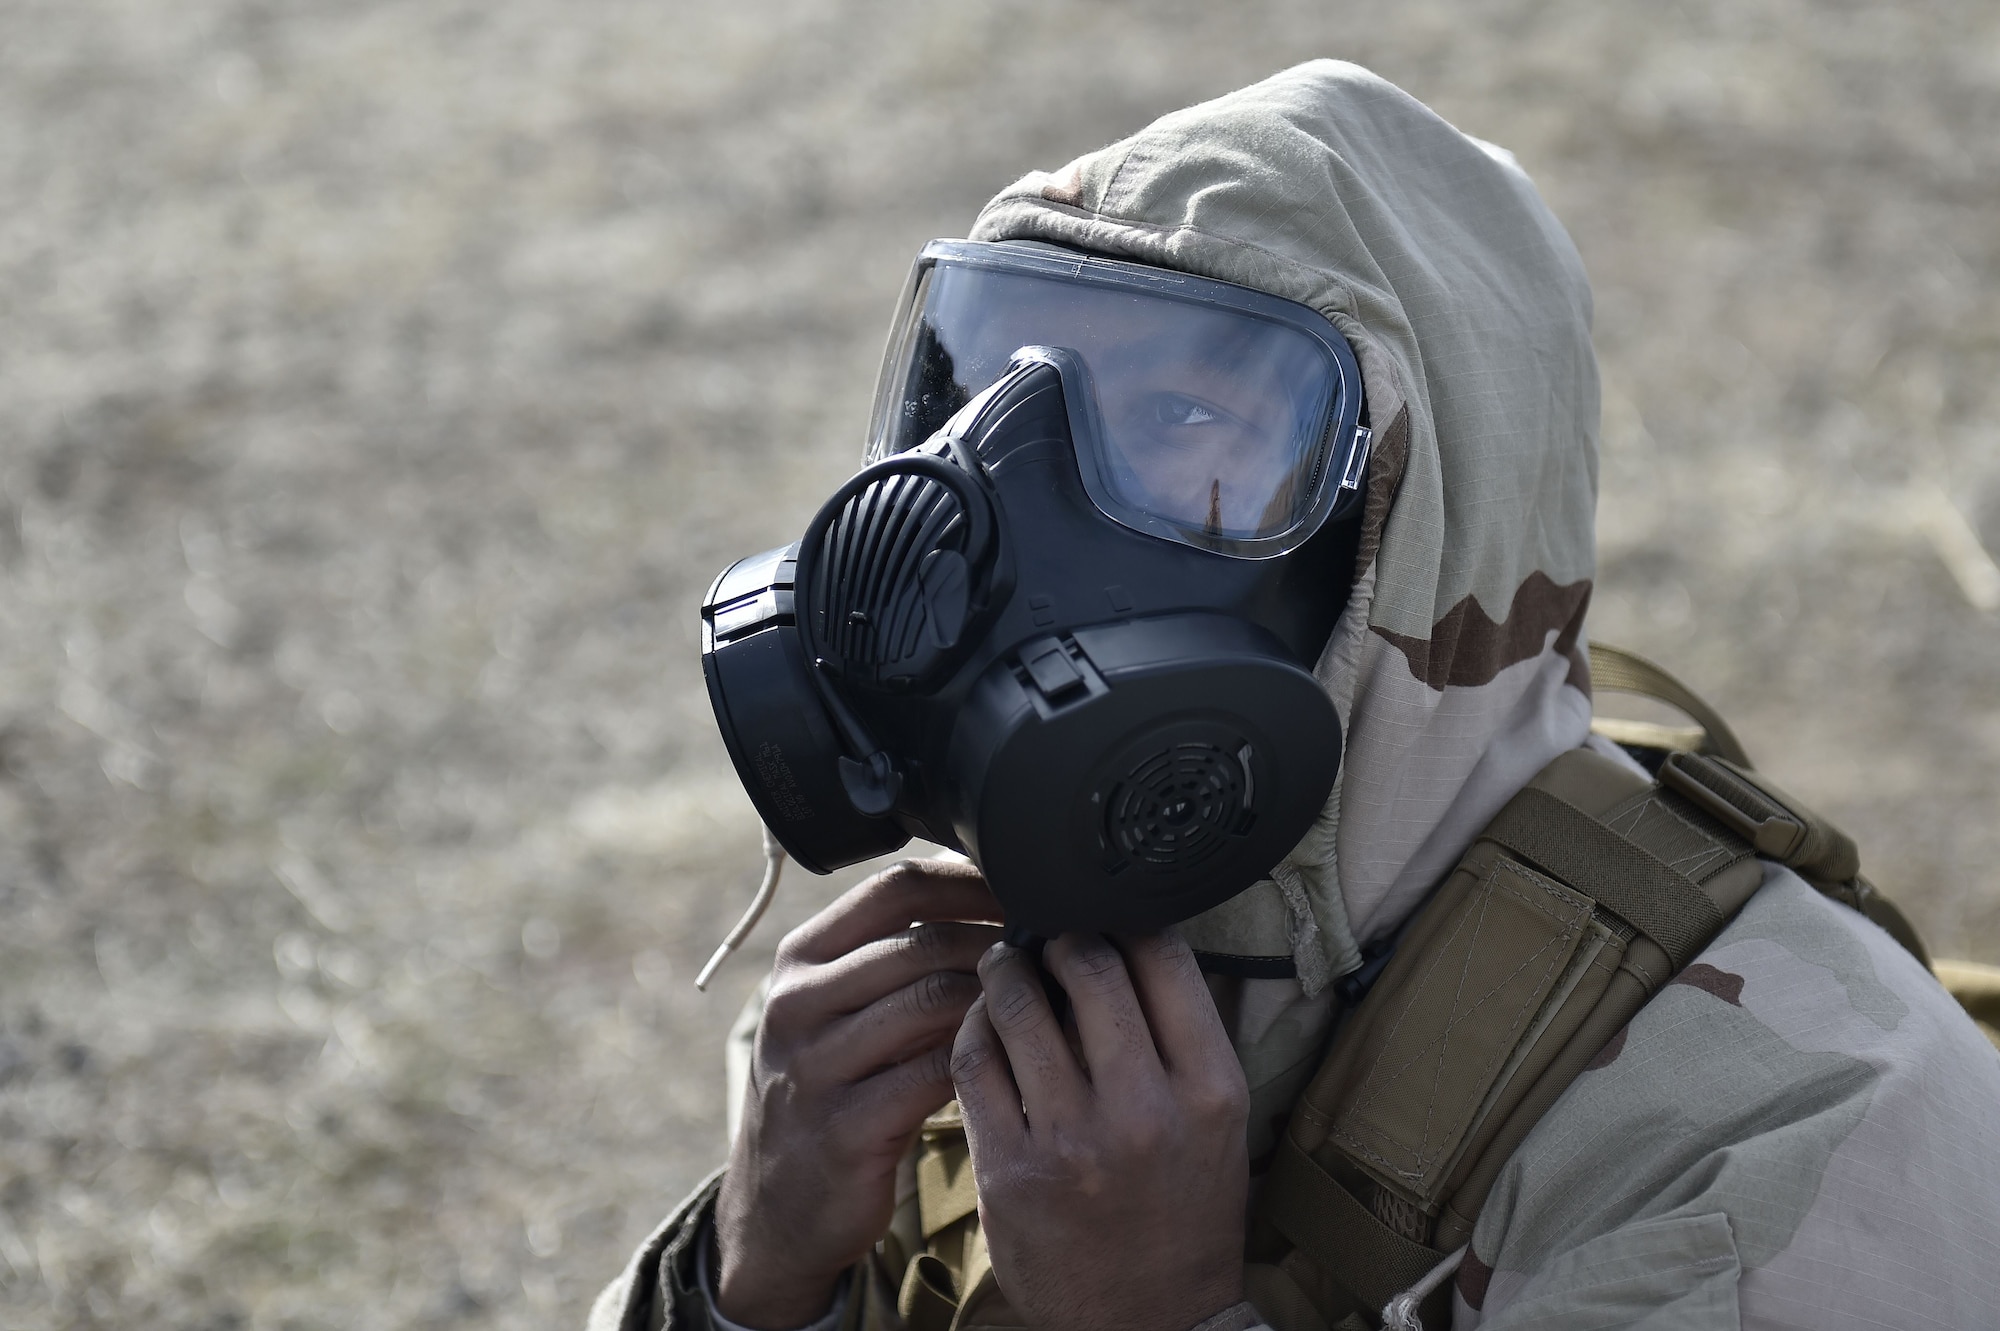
381 383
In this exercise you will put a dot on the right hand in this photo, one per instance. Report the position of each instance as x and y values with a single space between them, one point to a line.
1108 1147
854 1052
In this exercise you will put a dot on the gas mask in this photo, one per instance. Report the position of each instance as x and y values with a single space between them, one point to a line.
1065 618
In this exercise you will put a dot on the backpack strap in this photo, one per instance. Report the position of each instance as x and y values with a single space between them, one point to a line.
1615 670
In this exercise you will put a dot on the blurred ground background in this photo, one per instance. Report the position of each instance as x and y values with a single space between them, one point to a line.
381 383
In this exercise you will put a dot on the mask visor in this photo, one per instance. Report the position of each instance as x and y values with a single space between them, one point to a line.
1203 412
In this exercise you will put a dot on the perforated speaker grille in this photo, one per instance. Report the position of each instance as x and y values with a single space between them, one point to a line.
1178 805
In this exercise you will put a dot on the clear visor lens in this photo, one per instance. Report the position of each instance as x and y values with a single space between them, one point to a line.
1211 419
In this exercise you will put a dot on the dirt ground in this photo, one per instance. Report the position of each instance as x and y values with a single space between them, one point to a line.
381 384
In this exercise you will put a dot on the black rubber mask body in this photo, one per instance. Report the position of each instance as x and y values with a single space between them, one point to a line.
1120 730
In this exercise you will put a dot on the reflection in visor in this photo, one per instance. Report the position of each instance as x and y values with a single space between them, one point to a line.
1212 419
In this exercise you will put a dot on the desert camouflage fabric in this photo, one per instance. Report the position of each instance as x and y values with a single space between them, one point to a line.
1458 666
1801 1130
1804 1129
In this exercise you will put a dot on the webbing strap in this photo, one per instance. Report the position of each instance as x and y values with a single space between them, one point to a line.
1625 878
1620 671
1326 1222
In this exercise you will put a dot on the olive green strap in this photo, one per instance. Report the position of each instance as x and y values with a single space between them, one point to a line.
1977 989
1778 826
1620 671
1625 878
1325 1221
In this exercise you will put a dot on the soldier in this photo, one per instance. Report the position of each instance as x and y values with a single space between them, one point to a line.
1517 1027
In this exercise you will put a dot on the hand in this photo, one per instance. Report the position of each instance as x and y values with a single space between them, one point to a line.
853 1053
1110 1157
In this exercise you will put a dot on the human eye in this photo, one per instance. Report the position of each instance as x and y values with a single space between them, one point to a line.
1183 412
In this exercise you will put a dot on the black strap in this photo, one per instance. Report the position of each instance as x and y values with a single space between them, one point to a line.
1246 968
1625 878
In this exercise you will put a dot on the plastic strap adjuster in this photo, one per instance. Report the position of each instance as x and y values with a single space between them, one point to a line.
1767 825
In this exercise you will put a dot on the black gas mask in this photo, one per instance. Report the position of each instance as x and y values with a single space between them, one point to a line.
1065 619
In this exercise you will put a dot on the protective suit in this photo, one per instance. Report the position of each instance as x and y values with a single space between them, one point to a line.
1802 1129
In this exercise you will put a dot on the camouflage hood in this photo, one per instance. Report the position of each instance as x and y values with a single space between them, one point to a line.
1458 666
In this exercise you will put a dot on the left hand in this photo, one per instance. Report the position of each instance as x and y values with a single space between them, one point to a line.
1110 1158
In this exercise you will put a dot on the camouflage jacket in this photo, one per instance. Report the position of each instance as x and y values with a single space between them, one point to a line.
1802 1130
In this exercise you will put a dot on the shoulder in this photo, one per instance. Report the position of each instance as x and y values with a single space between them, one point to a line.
1803 1109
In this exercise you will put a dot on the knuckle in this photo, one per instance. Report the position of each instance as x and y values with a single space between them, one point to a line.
1099 965
781 1094
789 948
839 1107
930 1067
1171 952
928 941
969 1059
933 993
1220 1100
1085 1161
1071 1152
902 877
784 1005
1016 1005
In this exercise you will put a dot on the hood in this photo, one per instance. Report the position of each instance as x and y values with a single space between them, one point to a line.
1458 665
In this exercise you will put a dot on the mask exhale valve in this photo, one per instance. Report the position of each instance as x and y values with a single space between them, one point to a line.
921 527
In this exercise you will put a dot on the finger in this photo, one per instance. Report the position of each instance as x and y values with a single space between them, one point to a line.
914 891
1051 1084
987 1094
863 976
923 1013
888 1106
1117 1043
1186 1028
